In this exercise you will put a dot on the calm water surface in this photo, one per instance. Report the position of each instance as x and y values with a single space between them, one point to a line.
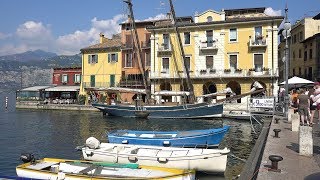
57 133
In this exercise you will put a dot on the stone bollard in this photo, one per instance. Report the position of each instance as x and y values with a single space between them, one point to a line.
290 112
276 120
274 163
276 133
295 122
305 141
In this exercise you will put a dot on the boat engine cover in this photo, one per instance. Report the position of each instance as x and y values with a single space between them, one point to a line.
92 143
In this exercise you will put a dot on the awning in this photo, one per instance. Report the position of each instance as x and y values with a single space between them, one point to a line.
64 88
35 88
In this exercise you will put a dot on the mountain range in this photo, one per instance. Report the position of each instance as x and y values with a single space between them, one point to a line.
32 68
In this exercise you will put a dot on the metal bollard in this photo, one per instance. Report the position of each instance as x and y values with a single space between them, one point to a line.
276 133
276 120
274 163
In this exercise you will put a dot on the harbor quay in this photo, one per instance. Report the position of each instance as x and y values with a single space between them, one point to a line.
285 150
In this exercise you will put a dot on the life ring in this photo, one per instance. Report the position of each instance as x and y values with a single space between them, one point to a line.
113 96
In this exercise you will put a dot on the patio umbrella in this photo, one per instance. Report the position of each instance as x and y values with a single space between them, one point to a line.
297 81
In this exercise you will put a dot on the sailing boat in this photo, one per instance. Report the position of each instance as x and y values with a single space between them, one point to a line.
189 108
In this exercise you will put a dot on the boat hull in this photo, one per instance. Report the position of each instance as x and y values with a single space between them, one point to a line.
193 138
207 160
201 110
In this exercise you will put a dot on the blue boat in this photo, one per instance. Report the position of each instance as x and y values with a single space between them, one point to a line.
192 138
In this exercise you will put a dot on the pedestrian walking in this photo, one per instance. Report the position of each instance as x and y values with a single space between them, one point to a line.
303 107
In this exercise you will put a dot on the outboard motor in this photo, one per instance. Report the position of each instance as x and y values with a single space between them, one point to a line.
27 157
92 143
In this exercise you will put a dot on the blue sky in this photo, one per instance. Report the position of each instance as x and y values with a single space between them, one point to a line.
66 26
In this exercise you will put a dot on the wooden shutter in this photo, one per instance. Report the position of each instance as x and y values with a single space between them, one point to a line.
89 59
116 57
109 58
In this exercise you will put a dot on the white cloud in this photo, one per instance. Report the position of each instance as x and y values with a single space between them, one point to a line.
271 12
157 17
4 36
33 30
72 43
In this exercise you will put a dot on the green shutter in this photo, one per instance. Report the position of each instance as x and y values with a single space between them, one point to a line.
109 58
96 58
116 57
88 59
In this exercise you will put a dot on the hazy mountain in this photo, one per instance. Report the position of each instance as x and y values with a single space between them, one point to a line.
36 55
25 69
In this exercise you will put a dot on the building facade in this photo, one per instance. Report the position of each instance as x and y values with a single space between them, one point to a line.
303 49
70 76
101 67
232 48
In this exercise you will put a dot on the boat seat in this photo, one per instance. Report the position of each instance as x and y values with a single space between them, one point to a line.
147 135
41 165
88 169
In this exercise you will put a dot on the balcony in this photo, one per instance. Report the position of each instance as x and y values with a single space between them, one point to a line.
164 49
98 85
212 45
258 41
215 73
145 45
131 83
127 46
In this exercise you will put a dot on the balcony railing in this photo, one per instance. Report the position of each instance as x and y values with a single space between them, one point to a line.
208 45
131 83
213 73
127 46
164 48
99 85
145 45
259 41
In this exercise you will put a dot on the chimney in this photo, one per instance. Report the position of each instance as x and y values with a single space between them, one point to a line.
102 38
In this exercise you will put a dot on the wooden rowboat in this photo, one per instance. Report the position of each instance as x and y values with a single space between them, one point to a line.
49 168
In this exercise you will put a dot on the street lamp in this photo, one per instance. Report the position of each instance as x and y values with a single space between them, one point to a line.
286 34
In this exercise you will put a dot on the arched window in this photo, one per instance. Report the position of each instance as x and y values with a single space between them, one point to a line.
209 19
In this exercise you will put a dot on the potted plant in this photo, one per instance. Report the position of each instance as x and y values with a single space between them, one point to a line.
212 71
227 70
238 70
266 70
203 71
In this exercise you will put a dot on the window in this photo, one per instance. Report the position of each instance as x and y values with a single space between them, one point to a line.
148 59
77 78
93 58
294 38
310 73
64 78
187 38
300 36
209 62
299 53
92 81
294 55
305 55
187 61
258 32
209 35
310 53
233 35
299 71
165 65
112 58
128 60
233 62
165 41
112 80
293 71
258 62
209 19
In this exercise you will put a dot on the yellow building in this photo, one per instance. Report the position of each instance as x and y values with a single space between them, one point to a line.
101 66
232 48
303 49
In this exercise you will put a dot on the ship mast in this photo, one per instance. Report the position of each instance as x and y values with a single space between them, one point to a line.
141 65
190 87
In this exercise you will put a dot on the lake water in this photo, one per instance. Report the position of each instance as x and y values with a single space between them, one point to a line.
57 133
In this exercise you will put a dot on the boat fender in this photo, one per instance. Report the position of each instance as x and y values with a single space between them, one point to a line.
125 142
166 143
162 160
89 154
61 175
132 158
27 157
92 143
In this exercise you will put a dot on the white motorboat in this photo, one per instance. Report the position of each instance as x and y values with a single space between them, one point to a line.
208 160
